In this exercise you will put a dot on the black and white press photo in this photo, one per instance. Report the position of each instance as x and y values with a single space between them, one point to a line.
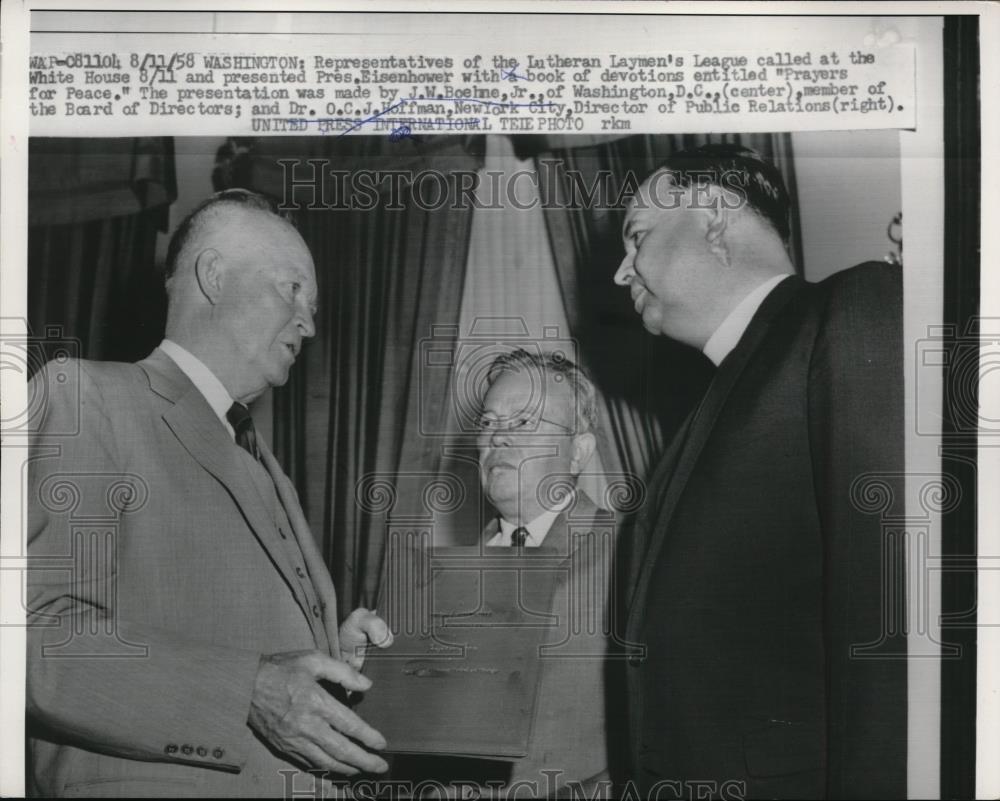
555 402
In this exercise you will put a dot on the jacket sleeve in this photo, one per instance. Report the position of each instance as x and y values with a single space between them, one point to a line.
94 677
857 441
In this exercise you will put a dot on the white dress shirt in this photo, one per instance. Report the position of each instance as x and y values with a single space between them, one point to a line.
204 379
538 528
728 334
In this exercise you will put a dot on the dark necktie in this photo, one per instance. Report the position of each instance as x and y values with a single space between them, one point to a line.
519 536
246 435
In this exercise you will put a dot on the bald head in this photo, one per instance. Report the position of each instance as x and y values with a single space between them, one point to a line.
242 291
206 220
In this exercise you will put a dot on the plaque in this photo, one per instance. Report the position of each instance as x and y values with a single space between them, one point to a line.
469 624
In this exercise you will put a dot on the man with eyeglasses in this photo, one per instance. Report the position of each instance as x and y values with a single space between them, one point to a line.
536 435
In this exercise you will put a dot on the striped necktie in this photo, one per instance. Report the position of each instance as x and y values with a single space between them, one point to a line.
246 435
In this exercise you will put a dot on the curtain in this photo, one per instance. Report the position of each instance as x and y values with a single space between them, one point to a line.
78 180
95 207
647 394
348 426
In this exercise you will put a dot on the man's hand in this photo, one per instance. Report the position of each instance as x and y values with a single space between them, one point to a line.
361 628
294 714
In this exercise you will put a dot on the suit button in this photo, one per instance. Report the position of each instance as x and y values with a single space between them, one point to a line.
634 660
186 749
300 572
201 751
170 749
218 753
315 611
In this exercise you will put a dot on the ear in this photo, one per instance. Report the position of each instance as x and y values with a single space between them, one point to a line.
583 449
717 220
208 270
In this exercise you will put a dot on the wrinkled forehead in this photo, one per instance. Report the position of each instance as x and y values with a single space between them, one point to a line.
529 390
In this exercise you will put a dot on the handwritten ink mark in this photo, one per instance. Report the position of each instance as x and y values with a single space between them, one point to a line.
510 75
403 132
400 133
384 111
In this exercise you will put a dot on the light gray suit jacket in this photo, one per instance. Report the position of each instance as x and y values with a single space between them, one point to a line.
163 564
570 732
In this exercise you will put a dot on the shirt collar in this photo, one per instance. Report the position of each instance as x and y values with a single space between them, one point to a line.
729 333
203 378
538 528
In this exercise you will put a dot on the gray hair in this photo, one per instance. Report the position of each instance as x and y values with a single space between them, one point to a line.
191 225
557 367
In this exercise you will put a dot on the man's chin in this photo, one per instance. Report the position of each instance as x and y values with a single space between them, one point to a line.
652 320
653 326
250 396
279 375
501 495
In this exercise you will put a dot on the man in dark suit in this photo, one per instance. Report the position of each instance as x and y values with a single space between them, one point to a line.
181 647
757 582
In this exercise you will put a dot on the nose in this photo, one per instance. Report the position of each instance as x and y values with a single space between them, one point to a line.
500 438
305 324
625 273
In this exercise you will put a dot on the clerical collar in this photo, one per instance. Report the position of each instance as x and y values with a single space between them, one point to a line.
728 334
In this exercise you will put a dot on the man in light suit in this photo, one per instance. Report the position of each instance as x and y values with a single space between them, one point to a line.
187 646
757 582
536 434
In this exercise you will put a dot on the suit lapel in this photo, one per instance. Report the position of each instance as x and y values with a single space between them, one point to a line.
490 530
195 425
584 514
557 538
638 540
689 448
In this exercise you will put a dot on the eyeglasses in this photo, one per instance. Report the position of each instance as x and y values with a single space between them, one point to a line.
518 424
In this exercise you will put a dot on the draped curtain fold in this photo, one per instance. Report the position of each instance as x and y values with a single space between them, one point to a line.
95 207
646 394
347 425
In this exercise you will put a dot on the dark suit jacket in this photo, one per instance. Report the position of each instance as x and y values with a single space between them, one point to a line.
756 571
163 566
